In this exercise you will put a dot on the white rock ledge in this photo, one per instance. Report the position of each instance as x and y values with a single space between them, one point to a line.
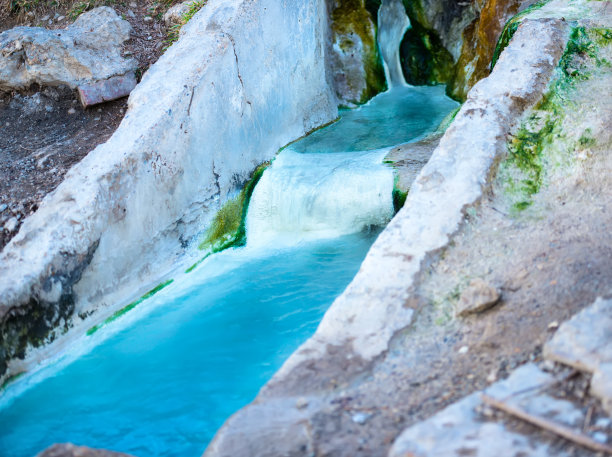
244 79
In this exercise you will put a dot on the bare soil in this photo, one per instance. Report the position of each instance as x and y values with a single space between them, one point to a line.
45 131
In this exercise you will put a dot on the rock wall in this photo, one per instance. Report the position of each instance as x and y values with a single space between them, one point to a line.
244 79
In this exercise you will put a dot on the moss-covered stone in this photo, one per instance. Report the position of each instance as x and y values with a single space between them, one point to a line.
541 141
229 225
356 62
228 228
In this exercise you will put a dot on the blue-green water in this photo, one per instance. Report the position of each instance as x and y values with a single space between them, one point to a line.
162 379
166 383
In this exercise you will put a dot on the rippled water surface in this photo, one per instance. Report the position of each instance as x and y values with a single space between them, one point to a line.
165 384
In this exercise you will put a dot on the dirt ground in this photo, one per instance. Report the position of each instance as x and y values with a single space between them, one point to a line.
44 131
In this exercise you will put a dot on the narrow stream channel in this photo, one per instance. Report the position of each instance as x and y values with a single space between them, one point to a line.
162 379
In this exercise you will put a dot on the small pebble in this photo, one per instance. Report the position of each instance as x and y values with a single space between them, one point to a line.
45 18
61 18
96 118
11 224
602 422
3 207
361 418
149 38
301 403
147 19
553 325
463 350
600 437
492 377
133 5
71 111
131 13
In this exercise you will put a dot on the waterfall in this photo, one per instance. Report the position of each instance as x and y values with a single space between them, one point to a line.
318 195
392 25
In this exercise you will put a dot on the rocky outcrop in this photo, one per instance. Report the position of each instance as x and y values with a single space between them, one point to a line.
89 50
479 40
355 62
189 141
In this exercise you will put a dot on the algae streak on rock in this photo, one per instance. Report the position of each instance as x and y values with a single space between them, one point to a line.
252 78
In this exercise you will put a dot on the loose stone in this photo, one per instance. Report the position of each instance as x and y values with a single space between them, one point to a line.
477 297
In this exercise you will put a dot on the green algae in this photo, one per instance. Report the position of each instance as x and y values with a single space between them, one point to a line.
541 135
511 27
399 195
228 228
11 379
129 307
424 59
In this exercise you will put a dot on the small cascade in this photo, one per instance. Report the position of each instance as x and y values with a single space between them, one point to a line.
314 195
392 25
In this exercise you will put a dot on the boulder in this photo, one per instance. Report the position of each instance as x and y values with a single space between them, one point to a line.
89 50
174 15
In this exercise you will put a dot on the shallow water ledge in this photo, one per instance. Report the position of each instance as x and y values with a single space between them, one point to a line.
219 102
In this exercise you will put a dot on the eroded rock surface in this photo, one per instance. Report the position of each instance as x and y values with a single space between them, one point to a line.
86 51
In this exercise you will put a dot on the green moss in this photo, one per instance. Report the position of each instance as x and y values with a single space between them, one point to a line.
399 198
531 148
130 306
511 27
228 228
